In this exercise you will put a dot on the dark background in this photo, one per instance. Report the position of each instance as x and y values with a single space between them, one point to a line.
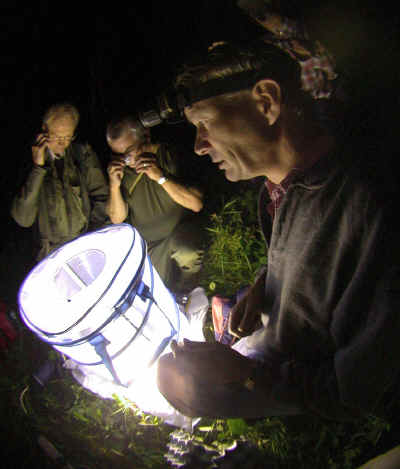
115 57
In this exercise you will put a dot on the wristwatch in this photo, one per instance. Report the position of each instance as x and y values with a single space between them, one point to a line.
162 180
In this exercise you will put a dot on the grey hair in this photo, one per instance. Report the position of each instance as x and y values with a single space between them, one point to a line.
60 110
261 59
224 60
119 126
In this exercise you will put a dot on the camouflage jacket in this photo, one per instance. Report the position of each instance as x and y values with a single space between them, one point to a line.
64 202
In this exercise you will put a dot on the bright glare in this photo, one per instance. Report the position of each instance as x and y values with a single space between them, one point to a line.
98 300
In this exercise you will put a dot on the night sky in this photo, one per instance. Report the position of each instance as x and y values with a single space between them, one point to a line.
117 57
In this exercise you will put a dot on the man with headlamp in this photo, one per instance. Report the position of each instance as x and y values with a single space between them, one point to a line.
65 191
319 328
153 188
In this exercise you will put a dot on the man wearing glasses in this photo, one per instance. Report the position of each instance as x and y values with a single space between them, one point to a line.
152 188
65 192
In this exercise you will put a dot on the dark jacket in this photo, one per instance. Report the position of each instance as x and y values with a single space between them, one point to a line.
332 289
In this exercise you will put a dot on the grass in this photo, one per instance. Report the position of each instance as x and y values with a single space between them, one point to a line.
237 249
95 433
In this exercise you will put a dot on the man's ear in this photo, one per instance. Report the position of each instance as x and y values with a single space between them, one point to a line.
45 129
268 98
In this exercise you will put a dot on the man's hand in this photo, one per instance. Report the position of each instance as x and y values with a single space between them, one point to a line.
115 172
150 148
213 362
190 374
147 163
39 150
246 313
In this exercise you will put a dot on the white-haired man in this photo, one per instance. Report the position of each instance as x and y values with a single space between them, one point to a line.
65 192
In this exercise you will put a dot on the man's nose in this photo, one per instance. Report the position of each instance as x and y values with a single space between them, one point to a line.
201 145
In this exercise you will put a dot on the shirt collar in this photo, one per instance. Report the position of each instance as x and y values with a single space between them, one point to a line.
314 176
281 188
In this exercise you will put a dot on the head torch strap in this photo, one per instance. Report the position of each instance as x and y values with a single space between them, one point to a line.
216 87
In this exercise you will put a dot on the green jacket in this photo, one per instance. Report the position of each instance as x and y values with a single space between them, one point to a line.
63 202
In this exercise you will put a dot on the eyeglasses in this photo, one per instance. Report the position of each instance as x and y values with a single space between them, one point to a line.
56 138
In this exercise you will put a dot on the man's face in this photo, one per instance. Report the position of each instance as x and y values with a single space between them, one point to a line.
61 132
127 147
234 134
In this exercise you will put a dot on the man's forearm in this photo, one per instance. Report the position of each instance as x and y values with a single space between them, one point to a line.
24 207
190 198
116 206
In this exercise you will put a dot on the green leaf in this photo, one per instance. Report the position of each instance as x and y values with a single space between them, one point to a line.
205 429
237 426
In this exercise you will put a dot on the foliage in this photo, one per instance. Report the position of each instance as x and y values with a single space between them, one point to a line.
87 430
237 248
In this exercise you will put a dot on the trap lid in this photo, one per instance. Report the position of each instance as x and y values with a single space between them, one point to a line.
82 281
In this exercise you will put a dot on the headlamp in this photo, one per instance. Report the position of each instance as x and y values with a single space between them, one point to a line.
170 105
